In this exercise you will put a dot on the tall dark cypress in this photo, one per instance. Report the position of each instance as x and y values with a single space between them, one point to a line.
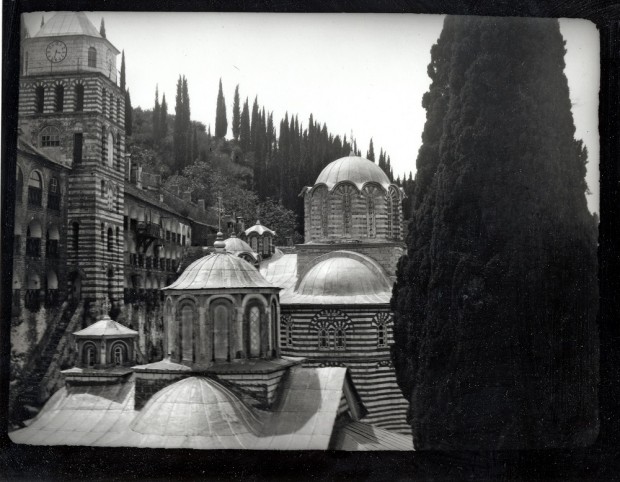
163 118
236 120
244 130
370 155
156 117
221 123
495 302
128 114
179 132
254 125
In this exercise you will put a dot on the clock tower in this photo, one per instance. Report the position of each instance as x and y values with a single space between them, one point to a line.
72 110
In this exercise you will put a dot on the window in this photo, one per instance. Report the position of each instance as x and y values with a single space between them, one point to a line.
118 109
35 187
221 319
323 339
50 137
33 239
102 232
118 238
393 214
346 211
340 339
119 354
324 213
92 57
53 196
381 332
104 99
110 240
90 355
59 98
254 331
110 150
103 145
187 320
254 244
77 147
102 188
39 99
79 98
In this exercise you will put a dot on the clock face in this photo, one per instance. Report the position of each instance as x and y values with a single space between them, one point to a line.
56 51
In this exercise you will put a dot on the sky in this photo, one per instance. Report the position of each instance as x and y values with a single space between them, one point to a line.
361 74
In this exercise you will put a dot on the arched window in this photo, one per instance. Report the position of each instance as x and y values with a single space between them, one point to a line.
51 244
33 239
221 315
110 240
35 188
118 238
371 219
325 214
92 57
51 294
346 194
110 150
254 243
59 98
187 320
119 354
118 110
118 150
33 286
340 338
254 331
19 184
39 95
102 232
381 335
90 355
390 216
79 97
53 195
289 333
104 100
323 339
393 201
103 145
50 137
76 236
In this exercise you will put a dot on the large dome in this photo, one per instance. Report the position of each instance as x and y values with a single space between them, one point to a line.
236 245
196 406
344 273
354 169
219 270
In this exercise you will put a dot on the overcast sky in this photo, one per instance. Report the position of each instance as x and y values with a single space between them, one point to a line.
359 73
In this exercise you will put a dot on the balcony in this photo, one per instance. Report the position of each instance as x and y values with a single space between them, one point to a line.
51 249
32 300
146 234
53 202
51 298
33 247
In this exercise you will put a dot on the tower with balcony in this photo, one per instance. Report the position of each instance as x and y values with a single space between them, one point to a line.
72 110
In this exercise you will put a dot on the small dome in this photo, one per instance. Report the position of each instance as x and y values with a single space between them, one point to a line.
354 169
196 406
344 273
259 229
236 245
219 270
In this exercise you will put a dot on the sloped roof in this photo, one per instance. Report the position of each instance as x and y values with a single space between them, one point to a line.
220 270
196 413
353 169
106 327
356 436
281 270
259 229
68 23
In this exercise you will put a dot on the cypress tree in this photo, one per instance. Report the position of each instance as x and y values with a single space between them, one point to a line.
244 131
221 124
123 71
128 114
163 119
254 125
156 117
178 134
495 302
236 121
370 155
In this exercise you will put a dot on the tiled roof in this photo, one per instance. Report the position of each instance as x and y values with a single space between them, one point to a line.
259 229
106 327
201 413
68 23
220 270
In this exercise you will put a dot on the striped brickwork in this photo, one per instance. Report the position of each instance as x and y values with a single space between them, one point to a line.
365 353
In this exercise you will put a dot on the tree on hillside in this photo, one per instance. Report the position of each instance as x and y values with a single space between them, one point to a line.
128 114
156 117
182 125
236 120
370 155
123 71
221 123
163 118
244 130
495 302
276 217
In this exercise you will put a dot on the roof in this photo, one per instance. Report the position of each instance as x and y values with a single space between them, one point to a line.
281 270
24 147
68 23
259 229
106 327
220 270
357 436
197 406
354 169
237 246
196 413
149 197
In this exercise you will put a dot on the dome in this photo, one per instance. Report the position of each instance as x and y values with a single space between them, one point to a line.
219 270
354 169
259 229
196 406
236 245
344 273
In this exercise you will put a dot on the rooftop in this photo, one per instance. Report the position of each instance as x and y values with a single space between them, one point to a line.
68 23
259 229
354 169
106 327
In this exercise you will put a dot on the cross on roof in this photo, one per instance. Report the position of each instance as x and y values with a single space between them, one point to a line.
106 306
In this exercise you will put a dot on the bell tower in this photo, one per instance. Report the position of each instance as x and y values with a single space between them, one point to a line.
72 110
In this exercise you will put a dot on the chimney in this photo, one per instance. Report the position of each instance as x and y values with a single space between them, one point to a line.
161 197
187 196
201 204
241 224
139 177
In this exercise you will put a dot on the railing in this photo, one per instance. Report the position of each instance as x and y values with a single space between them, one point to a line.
33 247
149 230
53 202
51 298
51 248
34 196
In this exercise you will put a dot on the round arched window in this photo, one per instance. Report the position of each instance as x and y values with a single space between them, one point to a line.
50 137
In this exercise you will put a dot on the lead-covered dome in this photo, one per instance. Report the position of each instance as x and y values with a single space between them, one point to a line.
354 169
200 407
219 270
